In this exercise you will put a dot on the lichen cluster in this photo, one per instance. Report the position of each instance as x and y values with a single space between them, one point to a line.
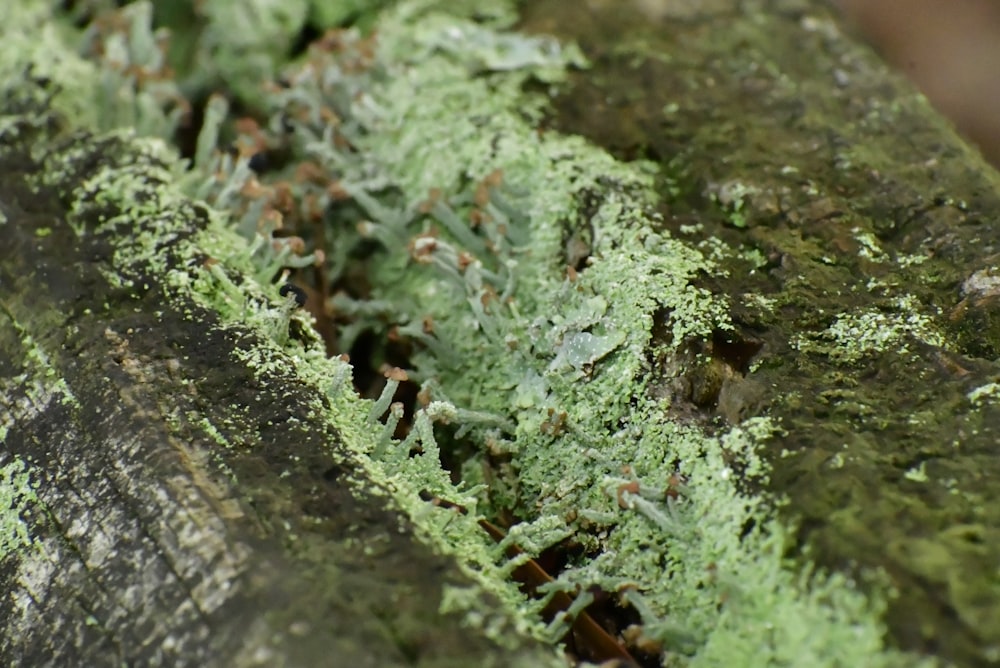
17 498
525 270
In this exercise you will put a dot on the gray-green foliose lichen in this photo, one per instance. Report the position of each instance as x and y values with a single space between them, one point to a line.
546 366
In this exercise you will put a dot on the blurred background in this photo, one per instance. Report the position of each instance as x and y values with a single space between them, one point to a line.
950 49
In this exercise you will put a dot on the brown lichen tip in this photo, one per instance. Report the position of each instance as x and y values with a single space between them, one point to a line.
394 373
631 487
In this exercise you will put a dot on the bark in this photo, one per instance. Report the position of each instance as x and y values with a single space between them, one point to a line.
182 507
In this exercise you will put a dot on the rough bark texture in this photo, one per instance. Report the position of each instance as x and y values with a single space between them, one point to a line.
189 509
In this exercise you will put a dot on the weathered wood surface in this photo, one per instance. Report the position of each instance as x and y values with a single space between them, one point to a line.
189 511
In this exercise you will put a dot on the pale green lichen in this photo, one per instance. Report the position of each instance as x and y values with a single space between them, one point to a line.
136 89
869 247
917 473
911 260
241 43
39 382
141 186
528 356
333 13
555 373
988 393
854 336
33 42
124 86
17 501
210 430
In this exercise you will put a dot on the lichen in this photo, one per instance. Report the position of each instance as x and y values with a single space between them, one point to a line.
988 393
564 353
853 336
34 43
242 43
17 501
545 364
40 382
125 85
